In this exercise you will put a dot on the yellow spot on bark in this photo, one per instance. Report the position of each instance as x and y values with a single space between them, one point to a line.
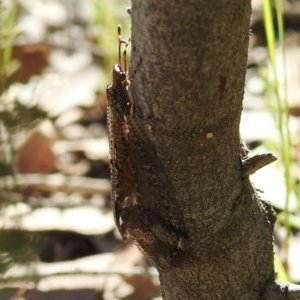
209 136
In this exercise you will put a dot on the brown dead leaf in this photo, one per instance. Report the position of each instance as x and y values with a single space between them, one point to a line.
33 59
36 155
144 287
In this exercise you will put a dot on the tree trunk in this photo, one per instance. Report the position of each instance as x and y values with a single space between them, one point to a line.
188 204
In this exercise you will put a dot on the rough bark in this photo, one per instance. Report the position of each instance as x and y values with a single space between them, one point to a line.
193 213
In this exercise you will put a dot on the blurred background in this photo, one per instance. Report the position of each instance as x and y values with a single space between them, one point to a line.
58 238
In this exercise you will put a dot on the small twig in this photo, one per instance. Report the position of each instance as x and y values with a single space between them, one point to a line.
54 183
281 291
24 275
252 164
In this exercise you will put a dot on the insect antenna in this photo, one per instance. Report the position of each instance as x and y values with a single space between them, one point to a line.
125 56
122 57
119 44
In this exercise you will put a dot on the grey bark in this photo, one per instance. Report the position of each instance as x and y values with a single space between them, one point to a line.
194 214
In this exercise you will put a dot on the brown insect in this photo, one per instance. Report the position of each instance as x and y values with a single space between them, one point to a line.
117 109
139 184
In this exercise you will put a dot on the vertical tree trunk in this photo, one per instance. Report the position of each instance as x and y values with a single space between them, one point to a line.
192 209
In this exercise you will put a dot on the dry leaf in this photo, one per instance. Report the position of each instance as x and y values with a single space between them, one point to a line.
36 155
